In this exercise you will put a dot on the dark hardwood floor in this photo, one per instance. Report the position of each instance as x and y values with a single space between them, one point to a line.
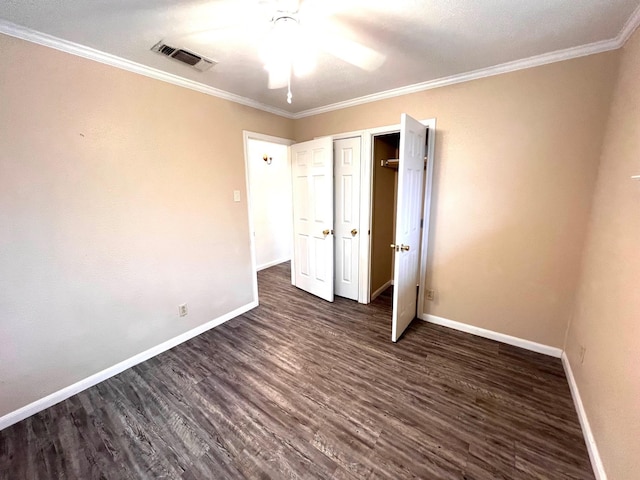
299 388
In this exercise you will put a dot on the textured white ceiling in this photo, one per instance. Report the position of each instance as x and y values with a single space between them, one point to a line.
422 40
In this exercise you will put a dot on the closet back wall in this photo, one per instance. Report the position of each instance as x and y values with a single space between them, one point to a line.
383 214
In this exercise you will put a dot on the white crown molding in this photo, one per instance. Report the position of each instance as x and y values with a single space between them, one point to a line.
70 390
629 27
492 335
589 439
24 33
28 34
536 61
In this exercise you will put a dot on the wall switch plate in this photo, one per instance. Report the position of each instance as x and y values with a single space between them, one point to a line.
236 195
431 295
583 350
182 310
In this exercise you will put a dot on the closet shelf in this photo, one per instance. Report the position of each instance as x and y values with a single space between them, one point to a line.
391 163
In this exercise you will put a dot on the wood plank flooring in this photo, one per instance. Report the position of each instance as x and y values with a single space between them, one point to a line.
299 388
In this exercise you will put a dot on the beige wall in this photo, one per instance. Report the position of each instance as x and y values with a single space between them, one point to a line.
115 207
607 316
516 161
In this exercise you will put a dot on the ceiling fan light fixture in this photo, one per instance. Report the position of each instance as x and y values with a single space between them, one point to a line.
286 50
280 43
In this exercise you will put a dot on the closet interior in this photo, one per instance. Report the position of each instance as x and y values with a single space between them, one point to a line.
384 193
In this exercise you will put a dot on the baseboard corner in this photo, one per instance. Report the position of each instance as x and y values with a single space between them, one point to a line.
273 263
56 397
492 335
589 439
377 293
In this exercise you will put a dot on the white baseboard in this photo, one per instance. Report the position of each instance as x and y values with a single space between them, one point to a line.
594 455
375 294
56 397
271 264
499 337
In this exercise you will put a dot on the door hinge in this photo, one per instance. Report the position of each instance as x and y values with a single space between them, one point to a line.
421 222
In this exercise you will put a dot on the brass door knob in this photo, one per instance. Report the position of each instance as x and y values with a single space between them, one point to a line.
395 247
354 232
404 248
326 232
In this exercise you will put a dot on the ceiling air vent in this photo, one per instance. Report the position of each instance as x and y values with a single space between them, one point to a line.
184 56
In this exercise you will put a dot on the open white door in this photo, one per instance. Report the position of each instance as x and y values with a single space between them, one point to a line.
408 215
312 177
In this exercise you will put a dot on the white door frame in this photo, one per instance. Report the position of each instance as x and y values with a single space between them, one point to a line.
246 136
426 212
366 187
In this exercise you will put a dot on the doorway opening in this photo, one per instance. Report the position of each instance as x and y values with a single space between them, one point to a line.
383 211
268 184
366 226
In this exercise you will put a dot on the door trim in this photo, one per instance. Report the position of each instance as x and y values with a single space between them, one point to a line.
246 136
367 205
366 187
370 134
426 212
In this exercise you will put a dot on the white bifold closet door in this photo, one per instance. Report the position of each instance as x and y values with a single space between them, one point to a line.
346 158
313 252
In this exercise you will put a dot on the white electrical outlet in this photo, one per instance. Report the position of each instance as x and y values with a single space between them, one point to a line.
182 310
236 195
431 295
583 350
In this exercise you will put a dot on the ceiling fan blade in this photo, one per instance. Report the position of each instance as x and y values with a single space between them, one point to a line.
353 52
278 77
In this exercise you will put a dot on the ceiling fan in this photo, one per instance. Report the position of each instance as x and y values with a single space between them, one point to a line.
290 36
298 32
